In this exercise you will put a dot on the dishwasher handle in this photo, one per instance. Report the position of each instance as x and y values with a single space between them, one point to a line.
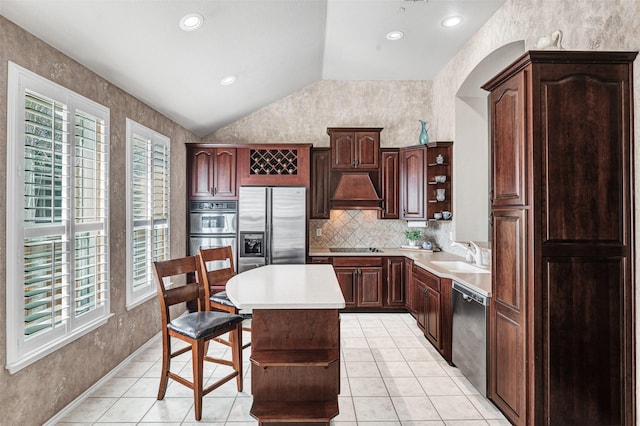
469 295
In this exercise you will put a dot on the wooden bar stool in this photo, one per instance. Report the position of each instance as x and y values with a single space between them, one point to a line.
195 328
214 279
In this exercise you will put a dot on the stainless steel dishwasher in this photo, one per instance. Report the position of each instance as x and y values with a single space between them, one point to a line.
469 339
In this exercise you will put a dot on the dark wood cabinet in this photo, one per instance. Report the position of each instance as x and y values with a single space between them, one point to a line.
433 306
419 187
212 172
274 164
390 184
408 285
354 148
360 279
439 166
320 183
561 340
394 282
412 183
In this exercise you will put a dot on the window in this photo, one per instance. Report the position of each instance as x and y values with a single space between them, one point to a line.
147 209
57 227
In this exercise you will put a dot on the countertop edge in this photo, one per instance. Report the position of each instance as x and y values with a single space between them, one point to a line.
479 282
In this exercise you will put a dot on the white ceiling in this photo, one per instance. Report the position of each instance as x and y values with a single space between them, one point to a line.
274 47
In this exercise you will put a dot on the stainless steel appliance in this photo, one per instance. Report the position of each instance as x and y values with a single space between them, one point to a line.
469 338
272 226
213 224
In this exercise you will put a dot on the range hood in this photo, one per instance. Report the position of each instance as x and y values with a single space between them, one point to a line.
355 191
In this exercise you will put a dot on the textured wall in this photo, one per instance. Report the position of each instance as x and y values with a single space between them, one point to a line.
305 115
39 391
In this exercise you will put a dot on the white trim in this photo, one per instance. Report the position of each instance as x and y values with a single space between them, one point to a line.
135 297
20 351
103 380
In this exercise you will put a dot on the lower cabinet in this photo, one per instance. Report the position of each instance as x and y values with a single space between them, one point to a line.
432 302
394 283
360 279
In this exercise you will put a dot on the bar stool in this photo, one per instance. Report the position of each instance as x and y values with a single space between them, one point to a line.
196 328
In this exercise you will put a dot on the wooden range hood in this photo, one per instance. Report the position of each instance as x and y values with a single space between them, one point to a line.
355 191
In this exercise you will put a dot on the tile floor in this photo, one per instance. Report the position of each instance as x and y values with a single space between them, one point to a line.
391 376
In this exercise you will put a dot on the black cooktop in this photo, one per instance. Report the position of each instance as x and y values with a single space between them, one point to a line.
354 250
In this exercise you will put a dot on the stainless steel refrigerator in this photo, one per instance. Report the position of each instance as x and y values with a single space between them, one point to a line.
272 226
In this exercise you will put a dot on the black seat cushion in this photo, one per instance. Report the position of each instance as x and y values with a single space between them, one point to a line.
222 298
198 325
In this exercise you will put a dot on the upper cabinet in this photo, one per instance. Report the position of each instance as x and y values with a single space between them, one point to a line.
561 319
274 164
389 185
212 173
320 181
425 181
354 148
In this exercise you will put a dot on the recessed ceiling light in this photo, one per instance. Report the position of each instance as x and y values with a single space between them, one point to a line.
452 21
395 35
191 22
228 80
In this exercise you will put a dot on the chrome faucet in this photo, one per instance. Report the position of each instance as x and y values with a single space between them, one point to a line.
473 252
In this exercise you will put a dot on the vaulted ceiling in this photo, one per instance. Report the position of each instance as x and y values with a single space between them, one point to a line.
272 47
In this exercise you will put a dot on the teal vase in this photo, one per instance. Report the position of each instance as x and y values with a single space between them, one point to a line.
424 136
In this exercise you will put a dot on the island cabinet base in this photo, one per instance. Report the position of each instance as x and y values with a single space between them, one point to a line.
295 366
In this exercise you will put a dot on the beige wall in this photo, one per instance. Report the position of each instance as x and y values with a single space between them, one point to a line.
37 392
305 115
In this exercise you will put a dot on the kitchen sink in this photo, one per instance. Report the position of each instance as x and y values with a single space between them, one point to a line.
458 266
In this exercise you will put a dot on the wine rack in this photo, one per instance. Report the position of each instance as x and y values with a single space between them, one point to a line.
273 162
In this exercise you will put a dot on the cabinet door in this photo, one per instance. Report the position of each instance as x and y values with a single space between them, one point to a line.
370 287
408 285
347 280
394 280
201 163
509 144
507 363
432 330
390 185
224 182
342 155
320 174
366 150
412 184
419 289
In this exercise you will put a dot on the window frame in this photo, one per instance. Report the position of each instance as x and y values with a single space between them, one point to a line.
23 351
141 294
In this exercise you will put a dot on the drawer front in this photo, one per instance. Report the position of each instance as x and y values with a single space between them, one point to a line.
431 280
357 261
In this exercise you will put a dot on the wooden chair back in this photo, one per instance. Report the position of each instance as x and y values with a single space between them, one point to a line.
181 294
215 280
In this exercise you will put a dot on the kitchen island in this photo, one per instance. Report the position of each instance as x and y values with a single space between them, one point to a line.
295 341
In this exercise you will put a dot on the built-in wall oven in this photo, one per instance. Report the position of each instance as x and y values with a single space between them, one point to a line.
213 224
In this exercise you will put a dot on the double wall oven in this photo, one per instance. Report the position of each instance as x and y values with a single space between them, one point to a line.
213 224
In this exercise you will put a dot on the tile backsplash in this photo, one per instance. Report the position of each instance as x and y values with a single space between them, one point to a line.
362 228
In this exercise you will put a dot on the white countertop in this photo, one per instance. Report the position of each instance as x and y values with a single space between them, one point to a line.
286 287
479 282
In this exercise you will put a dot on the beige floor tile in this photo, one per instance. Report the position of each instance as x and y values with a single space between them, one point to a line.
90 410
455 408
362 369
127 410
438 386
367 386
394 369
115 387
357 354
414 408
403 386
169 410
374 409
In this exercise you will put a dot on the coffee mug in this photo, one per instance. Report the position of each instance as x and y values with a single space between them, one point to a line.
427 245
437 216
446 214
440 178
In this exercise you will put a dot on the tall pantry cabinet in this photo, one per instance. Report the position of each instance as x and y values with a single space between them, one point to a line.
561 341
